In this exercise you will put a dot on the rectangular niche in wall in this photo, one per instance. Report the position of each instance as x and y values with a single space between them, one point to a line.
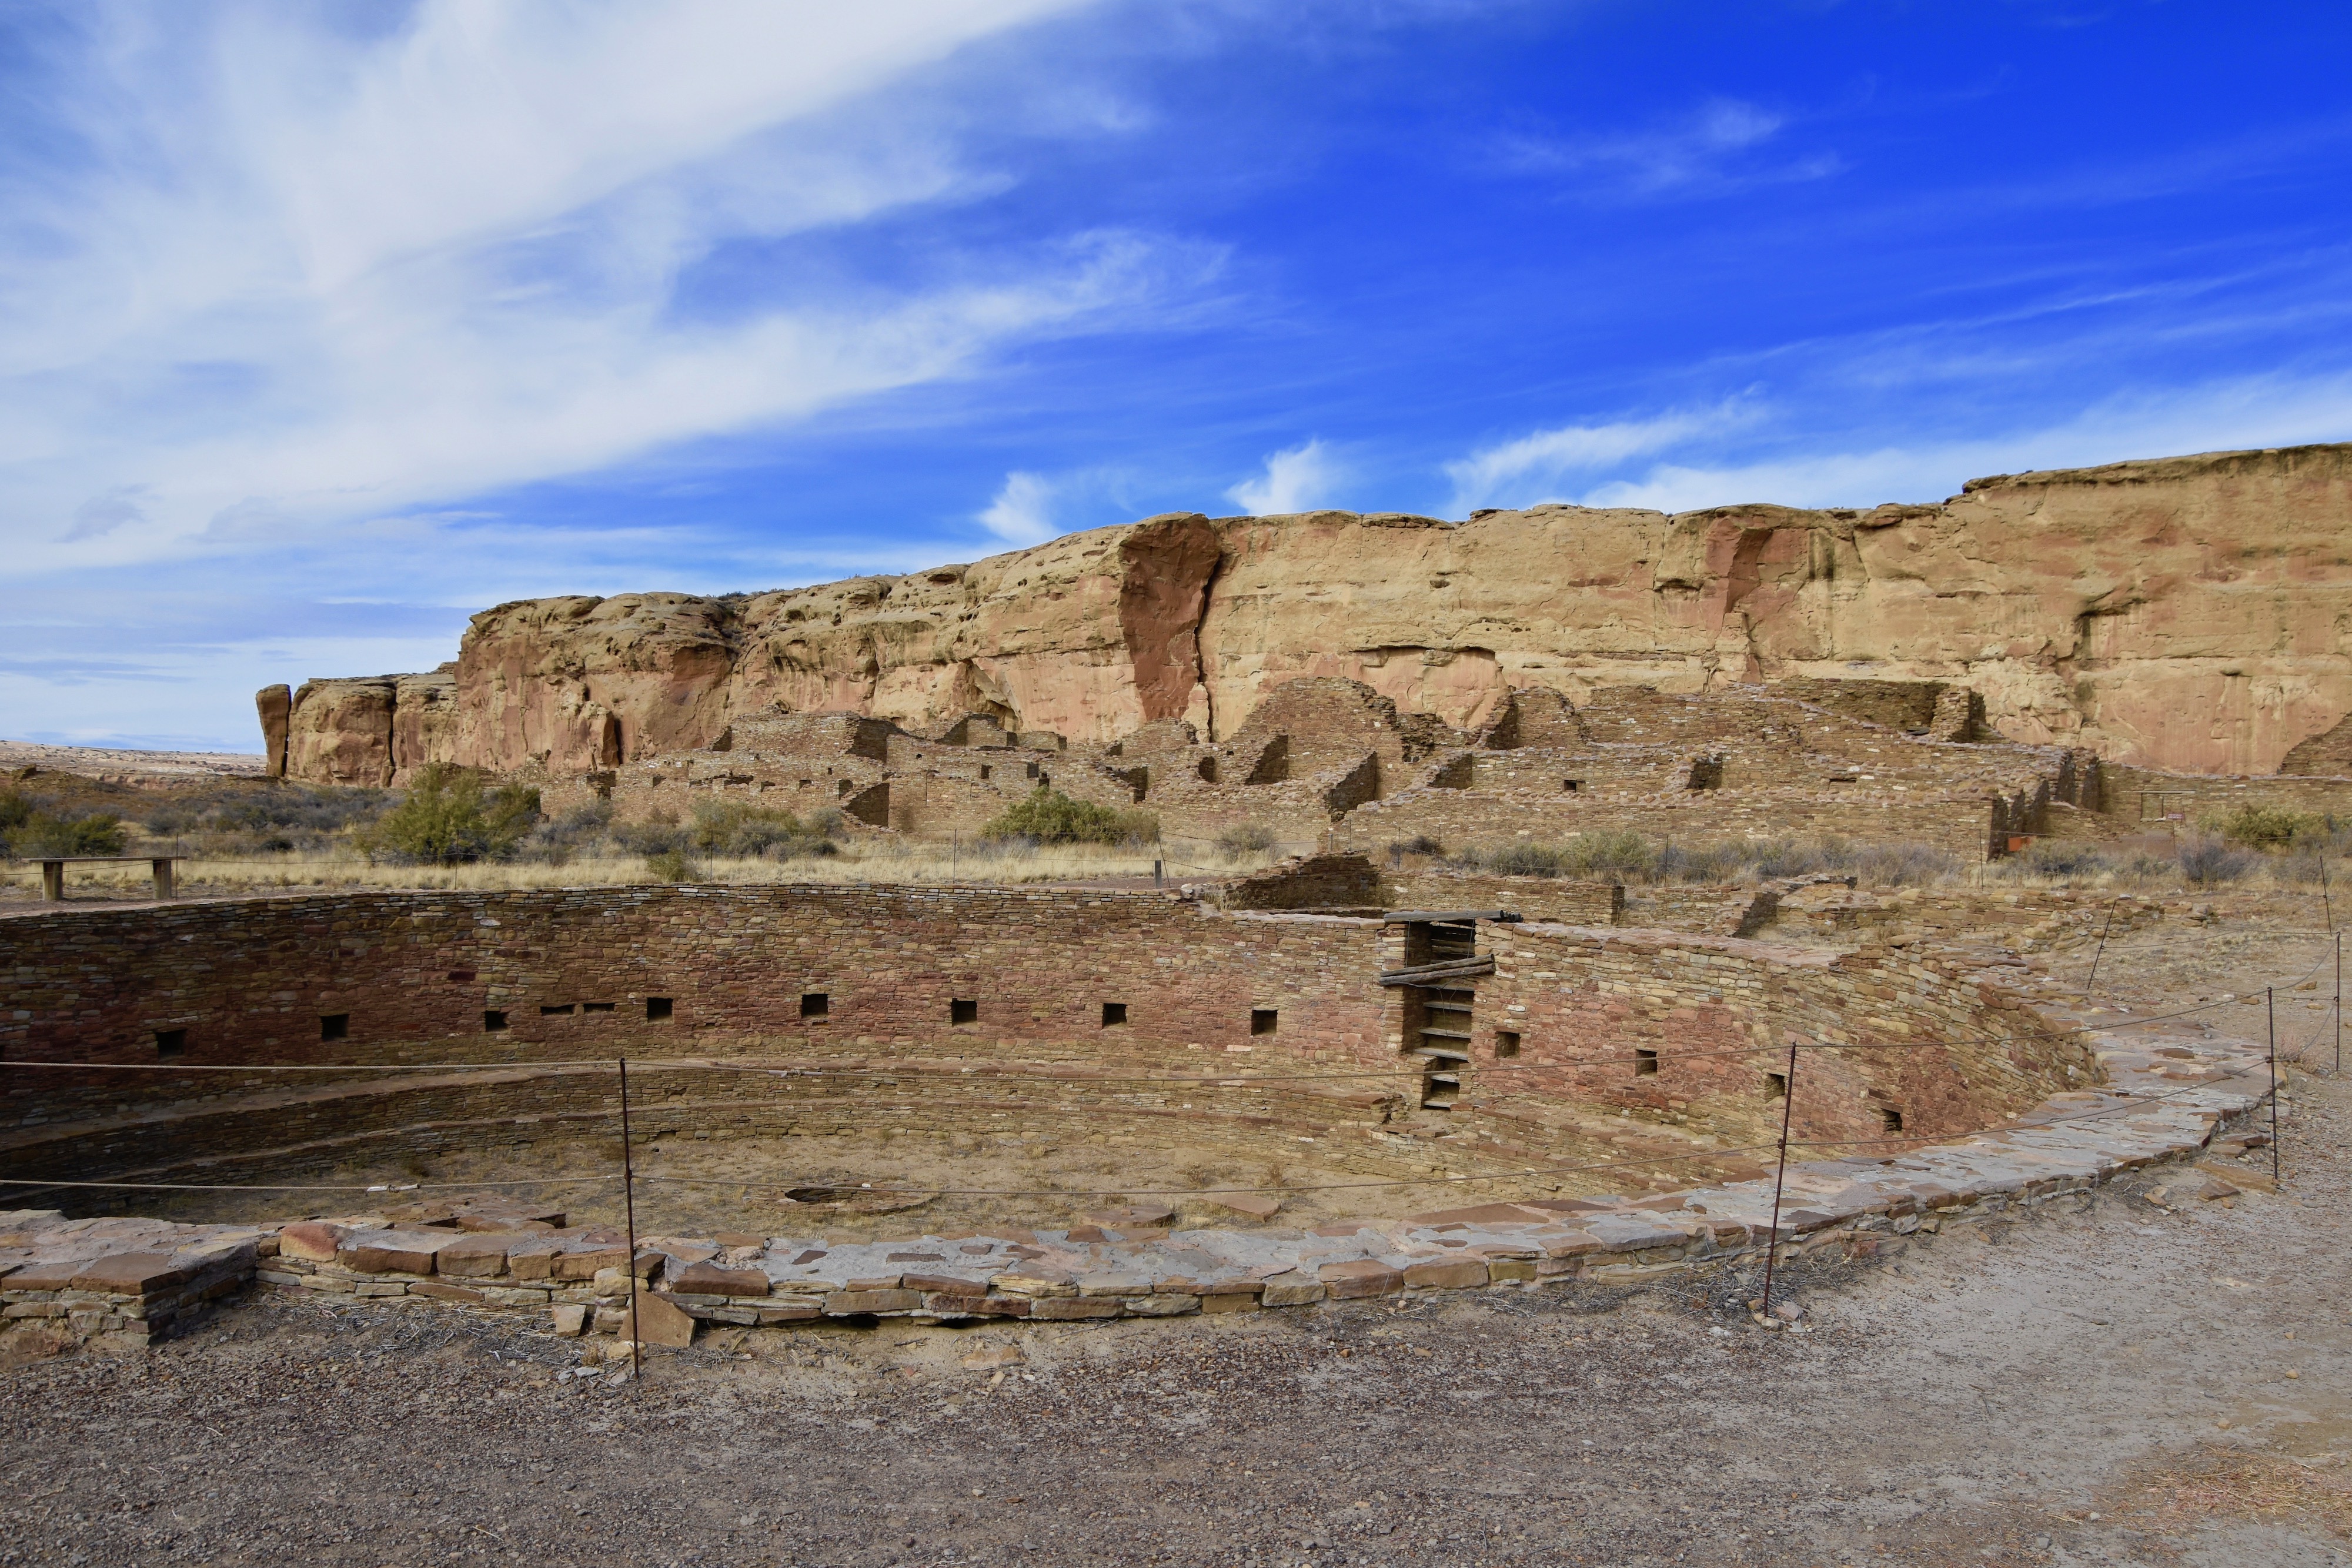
815 1004
657 1009
1263 1020
493 1021
1506 1043
1645 1064
334 1025
1113 1013
595 1007
171 1041
1776 1084
1890 1118
963 1010
555 1010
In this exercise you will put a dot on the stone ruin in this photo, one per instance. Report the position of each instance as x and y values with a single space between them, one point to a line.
1599 1097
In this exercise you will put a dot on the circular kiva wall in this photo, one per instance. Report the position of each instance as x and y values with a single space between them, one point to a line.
1023 1052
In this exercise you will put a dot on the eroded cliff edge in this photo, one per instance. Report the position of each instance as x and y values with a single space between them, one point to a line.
2188 614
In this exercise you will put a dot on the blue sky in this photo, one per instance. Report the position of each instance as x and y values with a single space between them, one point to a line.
320 335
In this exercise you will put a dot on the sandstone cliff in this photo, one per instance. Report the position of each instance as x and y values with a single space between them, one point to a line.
2188 614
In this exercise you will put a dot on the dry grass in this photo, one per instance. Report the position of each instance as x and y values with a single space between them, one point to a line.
860 862
2273 1488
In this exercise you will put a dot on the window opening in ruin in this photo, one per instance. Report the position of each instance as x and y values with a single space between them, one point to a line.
1113 1013
1645 1064
1707 773
963 1010
461 975
1506 1043
1031 767
493 1021
815 1004
552 1010
1776 1084
171 1041
1571 785
983 772
659 1008
334 1025
1890 1118
1263 1020
595 1007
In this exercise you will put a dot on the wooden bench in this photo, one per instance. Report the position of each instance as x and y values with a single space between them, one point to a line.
53 872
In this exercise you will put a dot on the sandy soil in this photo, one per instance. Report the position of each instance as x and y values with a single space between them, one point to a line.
2113 1384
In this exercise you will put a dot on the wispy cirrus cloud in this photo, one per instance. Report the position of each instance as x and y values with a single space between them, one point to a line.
267 273
1708 150
1544 465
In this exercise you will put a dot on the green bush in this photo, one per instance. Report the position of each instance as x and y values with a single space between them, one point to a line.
2264 827
734 827
28 828
1245 839
1050 816
449 817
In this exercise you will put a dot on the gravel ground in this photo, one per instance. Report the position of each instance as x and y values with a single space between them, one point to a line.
2110 1384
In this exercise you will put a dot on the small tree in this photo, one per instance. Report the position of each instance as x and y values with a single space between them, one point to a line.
449 818
1050 816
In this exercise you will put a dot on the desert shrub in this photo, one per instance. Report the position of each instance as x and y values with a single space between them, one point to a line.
2061 858
1246 839
735 828
2206 862
1050 816
1716 862
671 865
1901 864
1603 854
2264 827
29 826
1419 844
448 816
658 835
267 818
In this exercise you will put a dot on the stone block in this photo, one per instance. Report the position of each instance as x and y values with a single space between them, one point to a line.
850 1303
515 1296
769 1313
569 1321
1257 1206
392 1251
1446 1274
1293 1289
442 1292
945 1284
1052 1308
1161 1306
1502 1271
129 1274
473 1256
534 1260
587 1262
1359 1277
379 1288
311 1240
878 1282
1034 1285
1232 1303
657 1321
708 1279
1113 1285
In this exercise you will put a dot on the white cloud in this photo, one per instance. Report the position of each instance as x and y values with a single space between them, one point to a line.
1698 153
288 275
2256 412
1023 512
1297 479
1533 468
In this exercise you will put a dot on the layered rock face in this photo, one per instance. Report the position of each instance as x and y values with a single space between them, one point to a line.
2188 613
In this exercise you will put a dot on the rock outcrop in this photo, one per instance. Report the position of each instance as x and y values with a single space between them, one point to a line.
2188 614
